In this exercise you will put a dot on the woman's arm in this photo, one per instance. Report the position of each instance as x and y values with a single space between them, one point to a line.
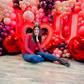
26 42
39 46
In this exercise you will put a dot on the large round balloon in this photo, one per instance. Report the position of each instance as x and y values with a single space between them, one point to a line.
76 47
28 16
13 43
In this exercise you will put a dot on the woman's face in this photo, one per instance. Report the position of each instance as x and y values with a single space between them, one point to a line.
36 31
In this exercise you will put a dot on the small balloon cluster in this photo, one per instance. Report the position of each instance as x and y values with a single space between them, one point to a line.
79 7
62 45
55 38
59 49
57 53
39 17
32 13
16 4
47 5
65 31
28 4
4 31
66 53
7 12
49 10
52 45
64 8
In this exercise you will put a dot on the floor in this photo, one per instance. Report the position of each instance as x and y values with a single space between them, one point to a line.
14 70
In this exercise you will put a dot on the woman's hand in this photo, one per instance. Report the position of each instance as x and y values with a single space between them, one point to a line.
37 38
39 55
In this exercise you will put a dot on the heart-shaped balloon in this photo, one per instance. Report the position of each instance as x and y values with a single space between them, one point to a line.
43 25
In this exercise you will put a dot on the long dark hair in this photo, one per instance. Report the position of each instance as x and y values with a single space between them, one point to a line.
39 36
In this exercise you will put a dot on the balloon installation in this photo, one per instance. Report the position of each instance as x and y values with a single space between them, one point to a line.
16 4
4 31
12 43
47 5
76 47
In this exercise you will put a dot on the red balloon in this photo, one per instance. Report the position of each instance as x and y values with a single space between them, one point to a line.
13 43
76 47
81 31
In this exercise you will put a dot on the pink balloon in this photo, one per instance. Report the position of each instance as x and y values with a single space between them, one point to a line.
53 11
37 20
71 6
28 16
80 13
13 23
78 4
80 0
81 31
55 51
77 8
37 16
67 54
59 52
63 55
9 3
28 8
36 23
61 15
34 9
7 21
53 38
65 51
32 3
5 10
40 20
56 40
42 14
66 28
59 9
64 13
82 6
40 10
57 36
68 9
58 55
7 15
37 12
79 24
45 19
12 16
82 22
67 13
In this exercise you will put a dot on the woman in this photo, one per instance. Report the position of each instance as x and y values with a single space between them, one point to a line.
33 42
